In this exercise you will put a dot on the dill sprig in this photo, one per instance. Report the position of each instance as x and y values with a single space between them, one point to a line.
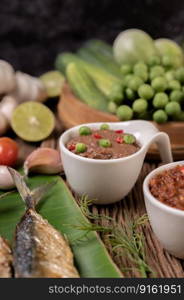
127 241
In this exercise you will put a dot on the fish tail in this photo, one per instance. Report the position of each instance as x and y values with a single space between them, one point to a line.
31 198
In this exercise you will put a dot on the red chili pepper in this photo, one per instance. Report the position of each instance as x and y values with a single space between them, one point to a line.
71 147
119 131
119 140
182 169
97 136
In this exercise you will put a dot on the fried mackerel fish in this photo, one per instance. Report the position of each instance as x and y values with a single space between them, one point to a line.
5 259
39 250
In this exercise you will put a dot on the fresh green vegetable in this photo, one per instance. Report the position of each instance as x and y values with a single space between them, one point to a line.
111 86
59 208
135 82
173 108
112 107
145 91
140 106
100 47
129 139
105 143
174 85
141 70
179 74
85 130
80 147
104 126
176 96
142 74
146 115
127 78
149 70
179 116
84 87
133 45
126 69
140 66
124 113
119 100
156 71
167 61
63 60
170 75
159 84
160 116
97 58
160 100
154 60
129 94
171 49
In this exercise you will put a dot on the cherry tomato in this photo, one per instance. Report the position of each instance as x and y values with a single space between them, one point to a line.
8 151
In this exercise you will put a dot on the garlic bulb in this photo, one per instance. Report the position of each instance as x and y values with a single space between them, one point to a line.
6 181
7 106
7 77
28 88
4 123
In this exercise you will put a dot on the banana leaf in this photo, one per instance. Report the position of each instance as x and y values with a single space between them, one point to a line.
61 210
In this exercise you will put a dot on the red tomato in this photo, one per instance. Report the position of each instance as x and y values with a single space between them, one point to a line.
8 151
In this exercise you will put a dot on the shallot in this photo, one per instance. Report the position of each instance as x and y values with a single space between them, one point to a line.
6 181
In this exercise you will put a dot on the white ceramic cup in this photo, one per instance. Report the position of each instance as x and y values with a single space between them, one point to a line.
108 181
167 222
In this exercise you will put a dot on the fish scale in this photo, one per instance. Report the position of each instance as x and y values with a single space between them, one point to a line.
5 259
24 248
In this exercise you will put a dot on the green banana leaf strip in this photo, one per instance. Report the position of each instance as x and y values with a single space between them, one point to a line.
61 210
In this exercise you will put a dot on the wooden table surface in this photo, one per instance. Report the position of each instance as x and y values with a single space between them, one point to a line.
162 263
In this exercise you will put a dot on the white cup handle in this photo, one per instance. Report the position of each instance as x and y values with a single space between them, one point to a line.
161 139
150 135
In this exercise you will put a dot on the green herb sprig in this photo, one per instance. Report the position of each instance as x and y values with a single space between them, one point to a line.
127 241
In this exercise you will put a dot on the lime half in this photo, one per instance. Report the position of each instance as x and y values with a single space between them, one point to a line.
53 82
32 121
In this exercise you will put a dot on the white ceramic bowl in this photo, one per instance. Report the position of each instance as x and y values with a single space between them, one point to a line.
108 181
167 222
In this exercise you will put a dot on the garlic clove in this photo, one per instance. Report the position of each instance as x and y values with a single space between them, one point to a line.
6 181
7 106
28 88
43 161
7 77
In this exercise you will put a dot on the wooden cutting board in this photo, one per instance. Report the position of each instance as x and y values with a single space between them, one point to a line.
72 112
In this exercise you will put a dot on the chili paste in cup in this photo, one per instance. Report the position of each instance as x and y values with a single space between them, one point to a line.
168 187
103 143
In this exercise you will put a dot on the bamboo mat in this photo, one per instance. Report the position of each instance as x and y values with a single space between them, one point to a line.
162 263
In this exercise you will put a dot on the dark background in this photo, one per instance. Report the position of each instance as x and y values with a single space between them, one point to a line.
33 32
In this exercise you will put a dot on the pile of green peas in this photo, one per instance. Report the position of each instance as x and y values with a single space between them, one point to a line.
151 91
